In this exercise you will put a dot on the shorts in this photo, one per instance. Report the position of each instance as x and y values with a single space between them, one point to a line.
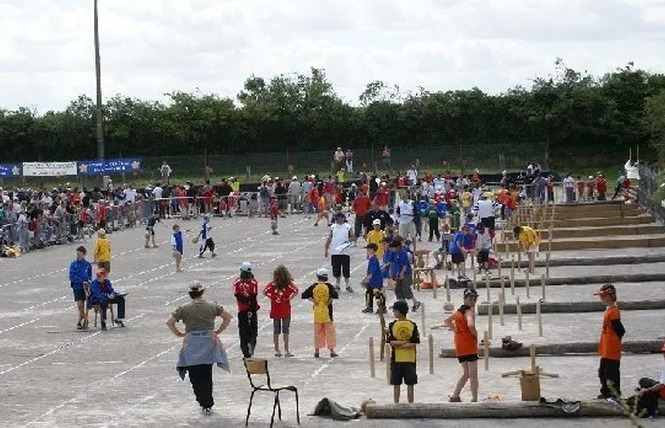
483 256
488 222
403 373
150 230
341 263
281 326
533 249
457 258
104 265
407 229
468 358
79 294
403 288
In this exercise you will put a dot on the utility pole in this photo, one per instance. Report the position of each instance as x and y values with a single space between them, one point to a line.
98 75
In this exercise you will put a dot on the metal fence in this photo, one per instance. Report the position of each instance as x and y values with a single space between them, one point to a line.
649 185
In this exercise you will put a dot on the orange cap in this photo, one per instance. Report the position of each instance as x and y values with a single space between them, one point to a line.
605 290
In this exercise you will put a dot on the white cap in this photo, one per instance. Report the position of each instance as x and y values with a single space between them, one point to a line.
376 222
294 178
322 272
246 267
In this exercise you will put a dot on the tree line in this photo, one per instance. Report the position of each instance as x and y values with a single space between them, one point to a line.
568 113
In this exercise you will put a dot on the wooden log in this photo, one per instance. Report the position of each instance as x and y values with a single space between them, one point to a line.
547 265
435 284
527 283
539 318
430 352
422 318
489 318
542 287
489 410
488 286
486 348
447 289
576 307
571 348
372 370
512 276
502 302
519 314
387 351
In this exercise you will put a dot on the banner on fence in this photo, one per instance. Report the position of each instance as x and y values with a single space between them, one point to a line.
109 166
10 170
48 169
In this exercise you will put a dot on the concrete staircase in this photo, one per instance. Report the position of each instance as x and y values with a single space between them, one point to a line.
609 225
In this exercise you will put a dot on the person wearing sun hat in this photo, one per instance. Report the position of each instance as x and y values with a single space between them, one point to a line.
201 347
609 346
102 251
103 294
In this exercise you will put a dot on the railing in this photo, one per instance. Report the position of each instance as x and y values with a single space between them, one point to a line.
649 185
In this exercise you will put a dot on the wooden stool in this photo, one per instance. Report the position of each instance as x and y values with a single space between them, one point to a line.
417 279
419 262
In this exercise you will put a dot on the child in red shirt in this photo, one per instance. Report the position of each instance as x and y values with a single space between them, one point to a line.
274 215
280 291
580 188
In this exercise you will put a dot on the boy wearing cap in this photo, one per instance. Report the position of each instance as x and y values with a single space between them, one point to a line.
246 290
102 251
150 231
376 236
463 323
80 275
650 392
373 282
403 337
103 294
402 273
321 294
609 347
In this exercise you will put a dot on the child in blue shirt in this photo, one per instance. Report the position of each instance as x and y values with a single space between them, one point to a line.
402 273
178 246
458 252
373 282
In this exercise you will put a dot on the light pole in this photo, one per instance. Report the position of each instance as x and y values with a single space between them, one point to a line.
98 75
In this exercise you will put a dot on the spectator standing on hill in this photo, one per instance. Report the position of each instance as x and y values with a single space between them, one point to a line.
385 156
338 157
601 186
165 172
569 187
349 160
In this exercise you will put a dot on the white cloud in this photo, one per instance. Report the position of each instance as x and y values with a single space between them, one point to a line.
157 46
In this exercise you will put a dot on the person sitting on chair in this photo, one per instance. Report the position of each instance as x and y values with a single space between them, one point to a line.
103 294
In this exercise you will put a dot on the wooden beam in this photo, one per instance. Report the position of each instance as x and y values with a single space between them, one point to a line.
572 307
635 347
489 410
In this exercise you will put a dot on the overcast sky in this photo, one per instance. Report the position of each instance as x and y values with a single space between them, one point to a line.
150 47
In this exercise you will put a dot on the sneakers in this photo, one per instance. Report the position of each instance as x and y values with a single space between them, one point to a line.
146 246
333 354
289 355
278 354
79 326
214 255
349 289
119 323
104 326
454 400
367 310
200 256
316 354
416 306
206 411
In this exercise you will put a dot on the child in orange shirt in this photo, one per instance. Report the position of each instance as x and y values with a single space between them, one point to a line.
609 347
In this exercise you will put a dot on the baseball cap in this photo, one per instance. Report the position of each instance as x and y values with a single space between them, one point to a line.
372 246
246 267
606 290
322 272
401 306
470 292
101 232
101 272
294 178
376 222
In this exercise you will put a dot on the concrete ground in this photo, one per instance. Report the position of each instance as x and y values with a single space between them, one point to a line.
53 375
